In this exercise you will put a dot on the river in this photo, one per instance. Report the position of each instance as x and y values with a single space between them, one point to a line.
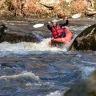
36 69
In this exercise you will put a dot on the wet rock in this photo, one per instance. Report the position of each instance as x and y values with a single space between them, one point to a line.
8 65
86 40
16 34
2 29
15 38
84 88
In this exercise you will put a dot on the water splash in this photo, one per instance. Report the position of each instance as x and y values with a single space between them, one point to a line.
86 71
27 47
56 93
23 74
42 46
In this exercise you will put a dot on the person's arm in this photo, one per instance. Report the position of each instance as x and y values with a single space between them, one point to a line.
66 23
49 26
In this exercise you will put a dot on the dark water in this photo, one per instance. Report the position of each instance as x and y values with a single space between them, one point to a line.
36 69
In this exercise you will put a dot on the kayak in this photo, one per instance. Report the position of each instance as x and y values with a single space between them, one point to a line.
63 42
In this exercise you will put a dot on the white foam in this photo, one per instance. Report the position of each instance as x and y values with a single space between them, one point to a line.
86 62
86 71
42 46
24 47
23 74
56 93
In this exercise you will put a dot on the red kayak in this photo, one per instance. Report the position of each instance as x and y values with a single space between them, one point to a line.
60 41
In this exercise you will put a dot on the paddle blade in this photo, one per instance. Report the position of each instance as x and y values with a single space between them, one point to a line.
77 15
38 25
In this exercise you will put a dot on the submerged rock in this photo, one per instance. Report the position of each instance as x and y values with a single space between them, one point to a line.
86 40
84 88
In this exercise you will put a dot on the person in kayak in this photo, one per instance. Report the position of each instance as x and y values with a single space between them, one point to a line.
59 30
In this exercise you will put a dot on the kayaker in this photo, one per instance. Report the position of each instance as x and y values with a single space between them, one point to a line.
59 30
56 29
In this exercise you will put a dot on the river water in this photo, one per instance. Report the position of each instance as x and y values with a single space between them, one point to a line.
36 69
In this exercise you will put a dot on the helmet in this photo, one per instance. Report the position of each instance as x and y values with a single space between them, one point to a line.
54 20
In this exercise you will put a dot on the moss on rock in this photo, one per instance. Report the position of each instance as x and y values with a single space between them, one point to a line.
86 40
84 88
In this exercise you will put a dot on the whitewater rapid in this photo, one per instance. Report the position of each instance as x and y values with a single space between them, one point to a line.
28 47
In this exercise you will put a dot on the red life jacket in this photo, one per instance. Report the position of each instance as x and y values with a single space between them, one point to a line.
57 31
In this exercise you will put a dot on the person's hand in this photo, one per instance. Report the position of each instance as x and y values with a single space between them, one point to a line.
65 18
49 22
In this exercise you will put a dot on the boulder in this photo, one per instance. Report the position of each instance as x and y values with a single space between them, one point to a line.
90 13
15 34
52 3
84 88
2 29
86 40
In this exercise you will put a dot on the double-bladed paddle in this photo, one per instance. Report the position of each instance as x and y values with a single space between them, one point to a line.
42 24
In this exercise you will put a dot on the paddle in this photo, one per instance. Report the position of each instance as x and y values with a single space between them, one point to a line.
42 24
38 25
76 15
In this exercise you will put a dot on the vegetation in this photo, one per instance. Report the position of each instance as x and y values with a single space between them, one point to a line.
33 8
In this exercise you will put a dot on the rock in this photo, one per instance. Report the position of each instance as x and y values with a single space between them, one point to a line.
52 3
2 29
16 34
16 38
90 13
86 40
85 88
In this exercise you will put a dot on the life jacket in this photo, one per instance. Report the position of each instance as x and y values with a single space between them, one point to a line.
57 31
67 38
